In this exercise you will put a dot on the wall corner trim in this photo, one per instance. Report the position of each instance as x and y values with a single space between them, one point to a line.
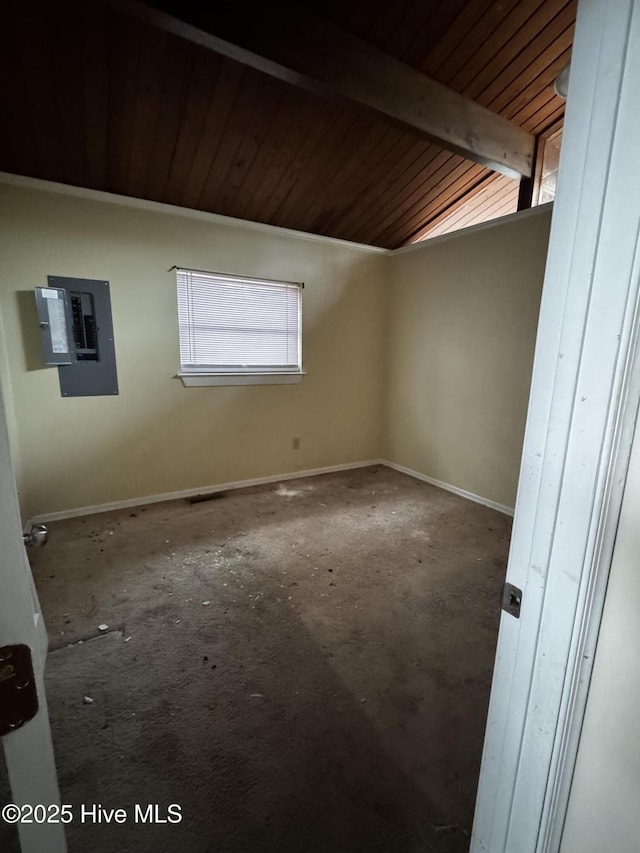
463 493
76 512
128 503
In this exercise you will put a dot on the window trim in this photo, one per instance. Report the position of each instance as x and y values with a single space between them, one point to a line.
208 375
202 380
543 138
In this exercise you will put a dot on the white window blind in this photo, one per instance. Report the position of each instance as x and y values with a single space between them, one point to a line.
238 325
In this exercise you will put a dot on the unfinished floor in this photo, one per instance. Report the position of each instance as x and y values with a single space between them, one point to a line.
302 666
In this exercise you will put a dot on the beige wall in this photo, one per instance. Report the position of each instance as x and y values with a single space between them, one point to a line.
461 340
158 436
423 358
605 795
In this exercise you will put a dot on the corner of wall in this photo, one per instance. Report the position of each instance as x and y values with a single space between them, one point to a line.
462 328
389 332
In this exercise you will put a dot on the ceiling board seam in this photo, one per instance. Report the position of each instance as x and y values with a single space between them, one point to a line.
482 96
437 159
444 180
327 152
412 47
247 143
448 76
312 143
474 14
374 188
467 210
176 177
458 186
369 182
453 205
247 92
502 52
345 174
267 152
164 180
548 76
497 49
221 100
412 169
314 132
456 210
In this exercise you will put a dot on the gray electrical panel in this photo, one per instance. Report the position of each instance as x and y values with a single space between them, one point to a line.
77 335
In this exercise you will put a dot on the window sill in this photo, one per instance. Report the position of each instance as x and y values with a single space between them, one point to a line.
197 380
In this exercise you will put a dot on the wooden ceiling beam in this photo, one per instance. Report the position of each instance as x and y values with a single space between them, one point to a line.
310 52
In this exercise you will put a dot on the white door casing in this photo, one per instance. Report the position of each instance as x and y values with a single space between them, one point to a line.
582 411
28 751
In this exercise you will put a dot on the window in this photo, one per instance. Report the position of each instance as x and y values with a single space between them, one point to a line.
237 330
549 159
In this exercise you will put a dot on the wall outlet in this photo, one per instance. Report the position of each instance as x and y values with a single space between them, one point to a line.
295 443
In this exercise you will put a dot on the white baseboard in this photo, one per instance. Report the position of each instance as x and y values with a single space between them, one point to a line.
259 481
507 510
191 493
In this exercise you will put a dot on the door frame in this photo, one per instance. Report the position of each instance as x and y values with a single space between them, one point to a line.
582 413
29 757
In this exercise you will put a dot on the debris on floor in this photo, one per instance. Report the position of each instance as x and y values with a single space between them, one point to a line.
315 767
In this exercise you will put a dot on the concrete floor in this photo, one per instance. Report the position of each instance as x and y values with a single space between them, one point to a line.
303 667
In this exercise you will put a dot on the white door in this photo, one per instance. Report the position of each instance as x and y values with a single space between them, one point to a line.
28 750
583 406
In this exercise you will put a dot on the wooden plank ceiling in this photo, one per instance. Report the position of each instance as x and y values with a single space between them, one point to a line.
93 98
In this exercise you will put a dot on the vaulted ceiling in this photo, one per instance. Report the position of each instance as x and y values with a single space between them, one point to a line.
95 95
